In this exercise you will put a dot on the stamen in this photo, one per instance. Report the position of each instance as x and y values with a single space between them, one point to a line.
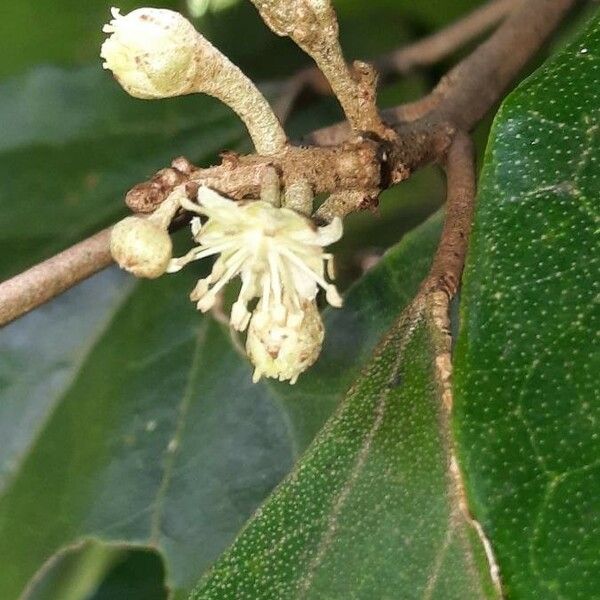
177 264
266 286
240 316
192 206
275 279
304 267
206 303
333 296
329 265
201 289
232 271
196 225
289 285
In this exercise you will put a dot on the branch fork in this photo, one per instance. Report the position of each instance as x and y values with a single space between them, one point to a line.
352 161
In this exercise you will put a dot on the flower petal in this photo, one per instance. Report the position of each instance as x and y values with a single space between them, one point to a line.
328 234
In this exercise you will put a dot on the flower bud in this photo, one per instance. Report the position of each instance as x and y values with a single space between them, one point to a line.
157 53
283 347
141 247
151 52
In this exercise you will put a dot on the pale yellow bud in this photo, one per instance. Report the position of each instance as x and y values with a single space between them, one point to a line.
283 347
151 52
141 247
157 53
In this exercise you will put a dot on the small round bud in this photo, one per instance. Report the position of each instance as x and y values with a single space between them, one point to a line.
151 52
141 247
283 348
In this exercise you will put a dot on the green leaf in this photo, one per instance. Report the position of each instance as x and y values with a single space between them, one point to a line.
72 145
41 355
138 577
159 439
527 403
76 574
93 571
370 308
156 436
374 508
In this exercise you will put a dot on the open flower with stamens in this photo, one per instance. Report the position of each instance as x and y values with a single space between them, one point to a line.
277 252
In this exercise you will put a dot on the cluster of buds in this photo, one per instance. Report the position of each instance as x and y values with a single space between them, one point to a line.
277 251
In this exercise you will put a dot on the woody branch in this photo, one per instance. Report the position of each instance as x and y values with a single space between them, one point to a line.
350 163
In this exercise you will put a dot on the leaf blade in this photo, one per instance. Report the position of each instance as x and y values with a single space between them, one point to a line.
129 394
529 316
373 508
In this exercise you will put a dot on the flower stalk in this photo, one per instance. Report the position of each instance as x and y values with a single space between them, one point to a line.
312 24
157 53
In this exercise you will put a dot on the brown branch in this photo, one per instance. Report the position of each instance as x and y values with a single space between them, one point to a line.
50 278
424 52
432 304
365 164
470 89
443 43
449 259
345 166
423 132
498 61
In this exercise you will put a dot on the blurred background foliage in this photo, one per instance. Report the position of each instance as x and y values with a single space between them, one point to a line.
67 34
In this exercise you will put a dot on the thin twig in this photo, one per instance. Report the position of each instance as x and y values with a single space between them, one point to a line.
443 43
458 102
50 278
449 259
427 51
433 303
466 93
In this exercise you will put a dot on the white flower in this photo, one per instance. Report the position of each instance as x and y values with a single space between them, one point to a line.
151 51
283 348
277 252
